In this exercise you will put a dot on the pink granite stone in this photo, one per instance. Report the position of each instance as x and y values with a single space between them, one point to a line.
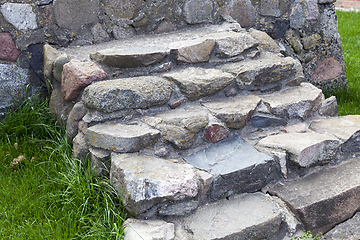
8 50
77 75
215 132
327 69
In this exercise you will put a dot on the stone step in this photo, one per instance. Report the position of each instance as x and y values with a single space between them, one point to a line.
325 198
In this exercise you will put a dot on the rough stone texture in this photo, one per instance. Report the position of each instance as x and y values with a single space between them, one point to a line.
247 216
297 16
232 46
348 230
352 144
266 42
236 165
310 42
235 112
263 73
295 128
119 9
215 132
179 209
296 102
198 11
131 57
270 8
136 229
59 66
312 11
50 55
341 127
304 149
329 107
120 137
13 84
76 114
242 11
8 50
152 181
72 14
59 107
263 120
80 147
196 83
129 93
327 69
77 75
324 198
19 15
196 53
100 35
100 161
122 32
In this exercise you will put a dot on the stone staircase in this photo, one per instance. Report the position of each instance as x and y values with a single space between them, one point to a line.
209 133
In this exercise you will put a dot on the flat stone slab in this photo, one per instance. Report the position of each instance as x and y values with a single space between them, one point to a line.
304 149
145 181
196 83
236 165
265 72
120 137
235 112
341 127
137 229
127 93
348 230
294 102
246 216
324 198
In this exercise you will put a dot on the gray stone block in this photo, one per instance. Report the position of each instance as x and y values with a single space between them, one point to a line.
198 11
19 15
236 165
348 230
136 229
233 46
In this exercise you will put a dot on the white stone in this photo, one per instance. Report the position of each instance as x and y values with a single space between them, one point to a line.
136 229
19 15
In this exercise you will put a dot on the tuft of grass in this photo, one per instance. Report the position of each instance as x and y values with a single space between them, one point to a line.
307 235
44 193
349 29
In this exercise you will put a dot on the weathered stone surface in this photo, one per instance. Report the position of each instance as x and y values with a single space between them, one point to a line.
235 112
352 144
77 75
36 60
246 216
265 72
129 93
72 14
304 149
80 147
236 165
50 55
118 9
341 127
179 209
100 160
120 137
177 103
295 128
296 45
122 32
75 115
196 53
242 11
136 229
297 16
13 84
46 14
99 34
325 198
59 66
295 102
327 69
58 106
325 2
262 120
270 8
266 42
198 11
232 46
309 42
312 11
131 57
152 181
8 50
19 15
196 83
329 107
215 132
348 230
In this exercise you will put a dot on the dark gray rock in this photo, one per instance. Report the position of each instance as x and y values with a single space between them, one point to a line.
267 121
242 11
270 8
247 216
152 181
179 209
325 198
120 9
348 230
198 11
352 144
99 34
127 93
121 137
236 165
196 83
329 107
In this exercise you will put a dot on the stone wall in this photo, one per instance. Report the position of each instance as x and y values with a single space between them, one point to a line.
306 30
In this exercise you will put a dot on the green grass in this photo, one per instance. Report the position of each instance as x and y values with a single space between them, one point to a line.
349 29
49 195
